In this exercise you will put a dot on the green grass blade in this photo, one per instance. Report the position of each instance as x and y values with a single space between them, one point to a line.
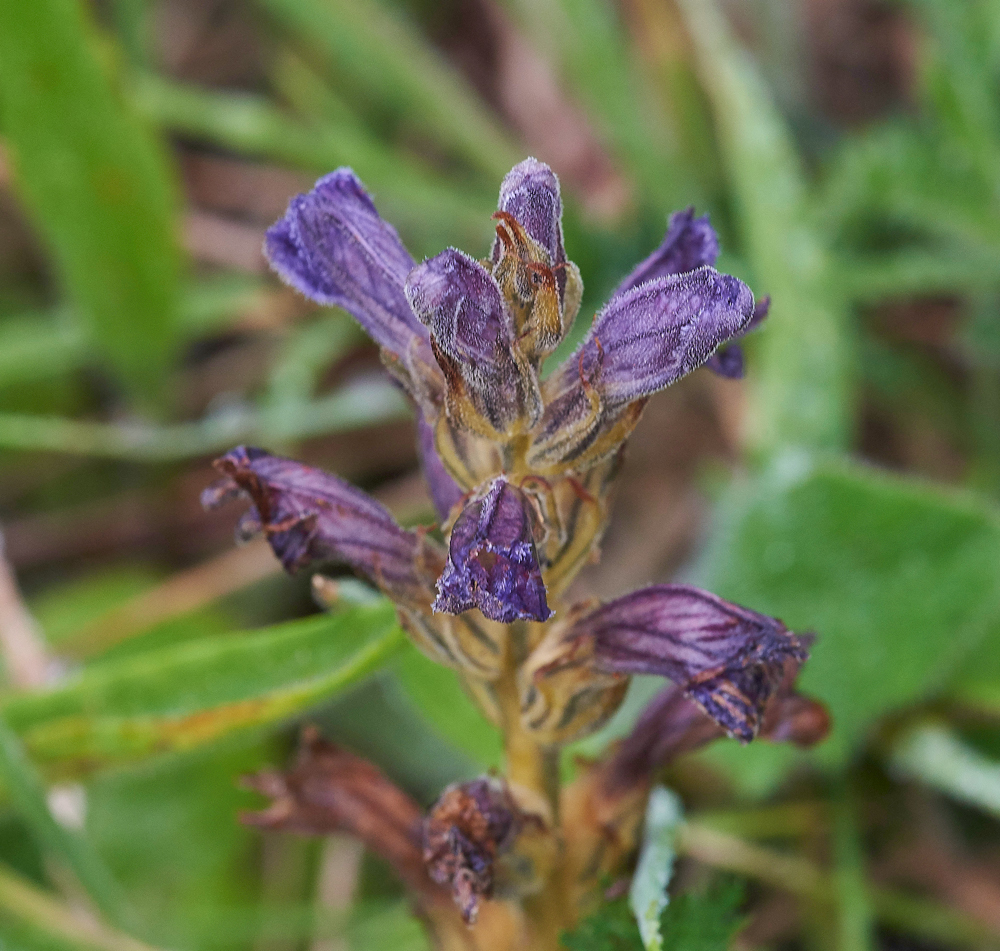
420 202
98 186
384 57
801 371
23 902
28 795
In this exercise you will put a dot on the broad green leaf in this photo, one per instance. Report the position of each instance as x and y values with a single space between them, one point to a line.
194 693
898 579
437 693
648 894
802 358
170 834
933 755
97 184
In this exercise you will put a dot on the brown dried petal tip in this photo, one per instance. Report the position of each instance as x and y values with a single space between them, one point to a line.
468 827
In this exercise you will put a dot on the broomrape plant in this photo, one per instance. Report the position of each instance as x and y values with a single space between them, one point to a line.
519 468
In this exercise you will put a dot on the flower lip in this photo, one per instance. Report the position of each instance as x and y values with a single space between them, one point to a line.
333 247
689 243
492 562
728 659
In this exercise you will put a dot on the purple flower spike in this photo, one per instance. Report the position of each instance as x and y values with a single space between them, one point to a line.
310 516
474 339
333 247
726 658
688 244
530 194
492 563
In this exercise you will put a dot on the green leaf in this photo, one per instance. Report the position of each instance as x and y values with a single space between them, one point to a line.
802 358
98 186
610 928
648 894
438 694
703 922
195 693
693 921
67 846
898 579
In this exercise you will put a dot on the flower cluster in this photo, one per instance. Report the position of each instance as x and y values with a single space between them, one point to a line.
519 467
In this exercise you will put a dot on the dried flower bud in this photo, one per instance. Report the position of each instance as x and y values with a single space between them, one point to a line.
464 833
328 790
311 516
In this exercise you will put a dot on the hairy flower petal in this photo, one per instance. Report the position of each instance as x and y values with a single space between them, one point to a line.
688 244
309 516
332 246
474 341
530 194
492 563
643 340
726 658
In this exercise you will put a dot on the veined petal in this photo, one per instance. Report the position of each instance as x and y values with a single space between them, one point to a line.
333 247
726 658
492 563
642 341
474 342
310 516
688 244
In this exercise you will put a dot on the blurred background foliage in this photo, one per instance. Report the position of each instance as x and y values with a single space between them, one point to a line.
848 152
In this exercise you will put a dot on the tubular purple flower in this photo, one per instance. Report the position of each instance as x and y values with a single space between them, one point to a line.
492 563
642 341
333 247
727 659
689 243
474 342
311 516
530 194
